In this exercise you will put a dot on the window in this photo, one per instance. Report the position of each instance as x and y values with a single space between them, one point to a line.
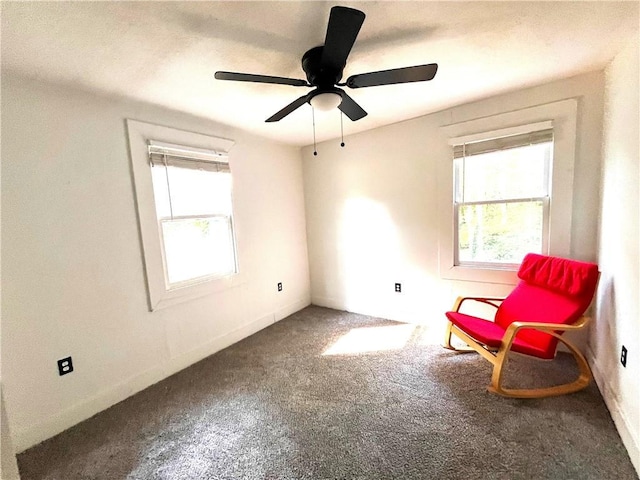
183 195
489 180
192 193
501 199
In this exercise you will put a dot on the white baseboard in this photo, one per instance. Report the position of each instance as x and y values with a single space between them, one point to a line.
292 308
617 413
335 303
27 438
180 362
340 304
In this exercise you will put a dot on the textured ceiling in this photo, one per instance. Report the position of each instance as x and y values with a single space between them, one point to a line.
167 52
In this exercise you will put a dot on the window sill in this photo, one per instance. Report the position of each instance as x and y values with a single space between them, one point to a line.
193 291
480 274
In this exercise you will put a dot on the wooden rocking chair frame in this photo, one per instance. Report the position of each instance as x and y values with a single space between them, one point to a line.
499 356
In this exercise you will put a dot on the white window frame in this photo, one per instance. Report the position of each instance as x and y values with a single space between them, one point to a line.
158 292
163 155
562 116
545 199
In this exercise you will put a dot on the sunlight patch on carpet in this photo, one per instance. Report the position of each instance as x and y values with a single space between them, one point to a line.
371 339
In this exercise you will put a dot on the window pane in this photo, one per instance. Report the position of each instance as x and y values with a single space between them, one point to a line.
499 232
193 191
198 247
502 175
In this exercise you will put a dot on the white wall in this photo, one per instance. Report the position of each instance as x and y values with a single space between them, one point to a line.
618 312
8 464
372 207
73 281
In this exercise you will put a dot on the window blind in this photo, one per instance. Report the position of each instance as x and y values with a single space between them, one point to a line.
502 143
167 154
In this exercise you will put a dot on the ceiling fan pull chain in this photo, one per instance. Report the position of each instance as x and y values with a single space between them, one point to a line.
313 118
341 130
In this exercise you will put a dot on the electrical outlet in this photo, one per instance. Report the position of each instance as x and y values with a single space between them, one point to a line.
623 356
398 288
279 286
65 366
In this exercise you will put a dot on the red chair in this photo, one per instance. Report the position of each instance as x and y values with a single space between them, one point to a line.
551 298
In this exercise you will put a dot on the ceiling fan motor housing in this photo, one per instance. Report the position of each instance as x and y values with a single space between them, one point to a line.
317 75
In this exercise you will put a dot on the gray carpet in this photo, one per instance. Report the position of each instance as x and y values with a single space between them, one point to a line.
274 407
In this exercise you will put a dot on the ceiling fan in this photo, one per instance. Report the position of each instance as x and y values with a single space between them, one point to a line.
323 66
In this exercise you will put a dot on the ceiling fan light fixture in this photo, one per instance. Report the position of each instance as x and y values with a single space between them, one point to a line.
326 101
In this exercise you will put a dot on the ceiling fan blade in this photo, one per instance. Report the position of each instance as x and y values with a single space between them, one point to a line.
342 30
249 77
350 108
419 73
288 109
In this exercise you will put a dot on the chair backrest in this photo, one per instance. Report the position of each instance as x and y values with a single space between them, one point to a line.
551 290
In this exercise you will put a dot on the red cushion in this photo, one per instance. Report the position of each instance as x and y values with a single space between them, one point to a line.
568 277
490 334
528 303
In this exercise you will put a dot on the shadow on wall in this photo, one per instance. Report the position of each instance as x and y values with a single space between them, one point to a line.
603 330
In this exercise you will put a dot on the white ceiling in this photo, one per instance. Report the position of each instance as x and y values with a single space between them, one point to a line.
167 52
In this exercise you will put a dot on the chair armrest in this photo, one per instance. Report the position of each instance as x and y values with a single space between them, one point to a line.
487 300
512 329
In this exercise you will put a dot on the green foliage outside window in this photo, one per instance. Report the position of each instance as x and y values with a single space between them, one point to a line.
499 232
